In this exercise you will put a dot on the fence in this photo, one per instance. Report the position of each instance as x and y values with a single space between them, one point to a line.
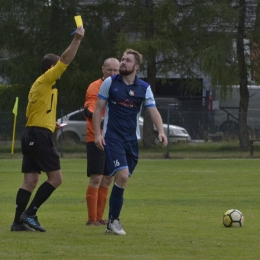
199 124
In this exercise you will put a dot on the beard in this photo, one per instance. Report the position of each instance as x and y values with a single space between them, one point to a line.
124 71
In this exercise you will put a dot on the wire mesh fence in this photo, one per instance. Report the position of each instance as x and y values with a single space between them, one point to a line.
188 125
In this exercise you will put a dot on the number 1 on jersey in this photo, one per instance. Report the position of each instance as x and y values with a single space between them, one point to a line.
48 111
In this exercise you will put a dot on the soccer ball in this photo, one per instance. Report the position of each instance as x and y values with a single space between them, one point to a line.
233 218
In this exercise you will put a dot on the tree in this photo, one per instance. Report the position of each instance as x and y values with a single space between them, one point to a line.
215 43
242 75
148 139
30 29
227 59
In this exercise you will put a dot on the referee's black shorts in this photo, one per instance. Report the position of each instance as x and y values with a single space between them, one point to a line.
39 151
96 160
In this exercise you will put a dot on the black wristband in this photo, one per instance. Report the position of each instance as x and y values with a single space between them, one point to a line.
87 113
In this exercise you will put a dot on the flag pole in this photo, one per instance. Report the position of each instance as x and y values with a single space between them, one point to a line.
15 111
12 152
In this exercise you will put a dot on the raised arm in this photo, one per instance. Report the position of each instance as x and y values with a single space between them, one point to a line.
69 54
157 121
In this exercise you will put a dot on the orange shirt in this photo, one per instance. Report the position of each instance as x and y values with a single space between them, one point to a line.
90 102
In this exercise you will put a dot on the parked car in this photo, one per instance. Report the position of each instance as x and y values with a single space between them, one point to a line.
176 133
75 130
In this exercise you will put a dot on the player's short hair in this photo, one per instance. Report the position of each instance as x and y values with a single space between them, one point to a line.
138 56
48 61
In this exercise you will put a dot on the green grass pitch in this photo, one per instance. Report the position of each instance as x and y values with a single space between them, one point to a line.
172 210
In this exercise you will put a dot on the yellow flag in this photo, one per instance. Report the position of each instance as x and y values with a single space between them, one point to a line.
78 20
15 109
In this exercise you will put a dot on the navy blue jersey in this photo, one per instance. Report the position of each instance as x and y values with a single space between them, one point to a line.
124 105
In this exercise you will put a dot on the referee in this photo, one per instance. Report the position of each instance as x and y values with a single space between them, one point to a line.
39 151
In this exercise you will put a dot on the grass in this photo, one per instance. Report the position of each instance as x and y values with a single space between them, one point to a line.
173 210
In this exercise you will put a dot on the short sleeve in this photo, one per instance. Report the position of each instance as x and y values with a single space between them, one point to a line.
149 98
104 89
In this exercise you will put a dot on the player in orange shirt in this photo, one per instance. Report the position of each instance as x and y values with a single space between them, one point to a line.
99 182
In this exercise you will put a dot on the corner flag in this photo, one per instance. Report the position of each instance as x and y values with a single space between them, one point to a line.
15 109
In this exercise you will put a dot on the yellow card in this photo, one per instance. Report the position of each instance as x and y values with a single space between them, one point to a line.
78 20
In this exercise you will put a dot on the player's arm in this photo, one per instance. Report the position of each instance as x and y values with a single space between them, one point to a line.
89 105
69 54
157 121
97 117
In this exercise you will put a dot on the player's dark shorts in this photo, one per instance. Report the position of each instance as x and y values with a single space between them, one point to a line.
39 151
96 160
121 155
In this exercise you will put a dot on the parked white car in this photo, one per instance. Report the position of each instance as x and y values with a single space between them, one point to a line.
75 130
176 133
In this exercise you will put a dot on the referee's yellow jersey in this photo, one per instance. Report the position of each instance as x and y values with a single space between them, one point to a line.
42 99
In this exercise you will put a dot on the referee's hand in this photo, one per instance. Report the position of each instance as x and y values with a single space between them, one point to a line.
57 126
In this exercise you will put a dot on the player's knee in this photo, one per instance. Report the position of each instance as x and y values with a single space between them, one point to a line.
30 181
55 178
106 181
95 180
29 185
121 181
58 181
55 183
